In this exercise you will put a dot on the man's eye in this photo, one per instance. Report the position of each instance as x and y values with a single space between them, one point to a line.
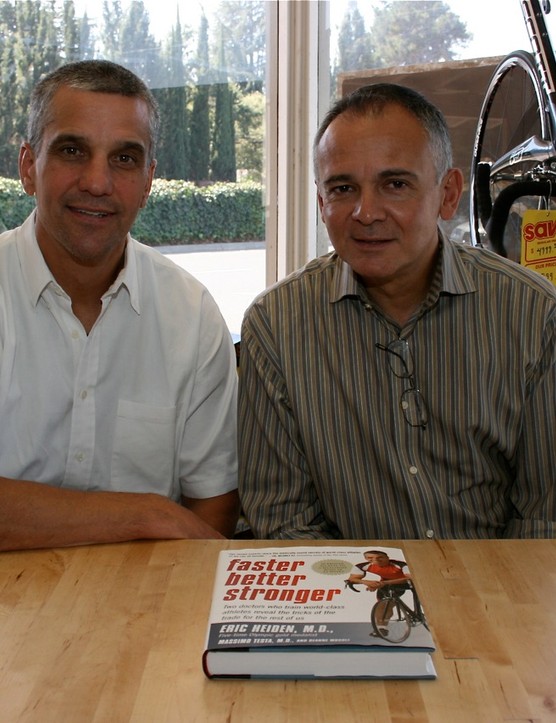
69 151
344 188
125 159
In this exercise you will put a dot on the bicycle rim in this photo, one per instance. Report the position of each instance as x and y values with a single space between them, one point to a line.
390 621
514 138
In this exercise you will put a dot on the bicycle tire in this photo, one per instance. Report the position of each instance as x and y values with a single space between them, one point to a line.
514 113
398 627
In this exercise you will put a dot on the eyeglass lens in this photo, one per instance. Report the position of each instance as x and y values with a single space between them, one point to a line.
414 408
401 364
400 358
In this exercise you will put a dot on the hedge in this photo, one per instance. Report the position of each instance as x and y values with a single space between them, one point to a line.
178 212
15 204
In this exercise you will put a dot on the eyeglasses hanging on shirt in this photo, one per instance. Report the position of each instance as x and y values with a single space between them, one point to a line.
412 403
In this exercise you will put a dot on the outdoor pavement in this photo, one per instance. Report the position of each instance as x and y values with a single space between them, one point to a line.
233 273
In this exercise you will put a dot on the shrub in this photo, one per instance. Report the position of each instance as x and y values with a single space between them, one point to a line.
178 212
15 204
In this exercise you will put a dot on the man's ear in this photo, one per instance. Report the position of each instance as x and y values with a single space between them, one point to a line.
319 199
26 164
452 188
148 184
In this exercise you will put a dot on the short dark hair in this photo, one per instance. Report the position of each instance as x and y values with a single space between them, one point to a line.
374 98
98 76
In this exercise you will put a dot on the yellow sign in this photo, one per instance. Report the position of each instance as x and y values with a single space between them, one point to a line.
538 242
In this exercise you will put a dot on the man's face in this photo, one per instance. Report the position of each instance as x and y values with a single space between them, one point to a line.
90 176
378 558
380 197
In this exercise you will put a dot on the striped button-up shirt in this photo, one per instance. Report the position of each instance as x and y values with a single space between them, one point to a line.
327 449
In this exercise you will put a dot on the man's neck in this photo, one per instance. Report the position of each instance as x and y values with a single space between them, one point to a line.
398 306
85 284
401 298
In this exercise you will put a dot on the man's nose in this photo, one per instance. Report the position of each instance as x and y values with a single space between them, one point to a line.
368 207
96 176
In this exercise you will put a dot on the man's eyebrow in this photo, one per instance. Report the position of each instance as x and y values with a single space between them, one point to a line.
383 175
338 178
397 173
131 146
66 138
118 145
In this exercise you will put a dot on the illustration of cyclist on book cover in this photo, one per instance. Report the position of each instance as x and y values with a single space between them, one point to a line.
391 616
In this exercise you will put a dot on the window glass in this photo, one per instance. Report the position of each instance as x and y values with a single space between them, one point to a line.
205 62
447 50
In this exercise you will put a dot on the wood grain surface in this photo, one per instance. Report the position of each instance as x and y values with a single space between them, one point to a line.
116 632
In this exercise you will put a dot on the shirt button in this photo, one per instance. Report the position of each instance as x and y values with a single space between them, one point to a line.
405 405
413 470
84 394
80 456
429 534
75 334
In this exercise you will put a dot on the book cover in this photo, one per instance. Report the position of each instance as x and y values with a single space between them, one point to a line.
317 612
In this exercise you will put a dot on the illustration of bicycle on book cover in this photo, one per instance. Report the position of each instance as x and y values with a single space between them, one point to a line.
391 616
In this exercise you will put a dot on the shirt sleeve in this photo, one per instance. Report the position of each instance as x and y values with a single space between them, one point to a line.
277 492
208 452
533 493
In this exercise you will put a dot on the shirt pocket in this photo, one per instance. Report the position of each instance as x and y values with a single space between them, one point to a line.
143 451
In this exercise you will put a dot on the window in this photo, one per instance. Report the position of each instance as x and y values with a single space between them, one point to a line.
242 86
446 50
206 64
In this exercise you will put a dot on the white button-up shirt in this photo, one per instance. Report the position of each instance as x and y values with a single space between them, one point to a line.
146 402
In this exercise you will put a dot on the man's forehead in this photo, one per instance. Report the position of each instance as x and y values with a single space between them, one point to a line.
81 114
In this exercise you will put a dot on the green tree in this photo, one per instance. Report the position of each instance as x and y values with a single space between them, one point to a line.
30 42
86 38
354 42
138 49
11 121
200 114
71 48
421 31
223 166
249 126
173 149
244 41
112 20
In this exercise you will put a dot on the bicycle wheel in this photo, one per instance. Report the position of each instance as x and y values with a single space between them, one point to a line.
390 620
512 155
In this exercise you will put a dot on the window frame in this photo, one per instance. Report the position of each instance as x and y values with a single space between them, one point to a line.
298 93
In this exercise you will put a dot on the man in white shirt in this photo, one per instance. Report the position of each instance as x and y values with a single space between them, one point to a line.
117 373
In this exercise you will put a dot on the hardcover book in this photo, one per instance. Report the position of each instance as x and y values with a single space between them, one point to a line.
317 612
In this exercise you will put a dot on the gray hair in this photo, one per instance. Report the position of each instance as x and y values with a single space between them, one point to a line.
98 76
375 98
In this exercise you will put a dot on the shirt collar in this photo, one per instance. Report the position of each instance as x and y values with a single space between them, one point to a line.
455 277
128 276
451 276
36 273
38 276
344 281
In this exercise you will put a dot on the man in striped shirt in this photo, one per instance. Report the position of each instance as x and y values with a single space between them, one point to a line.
403 386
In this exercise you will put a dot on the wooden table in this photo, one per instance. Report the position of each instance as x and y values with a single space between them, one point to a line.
115 633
